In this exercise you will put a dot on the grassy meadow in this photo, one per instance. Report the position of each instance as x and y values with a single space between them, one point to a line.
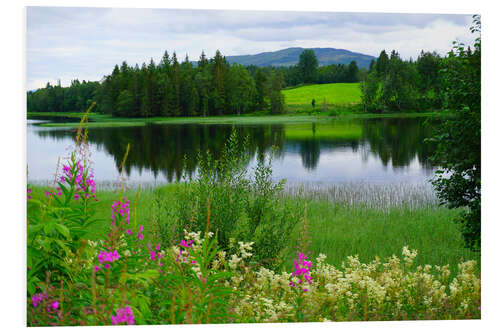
336 229
333 94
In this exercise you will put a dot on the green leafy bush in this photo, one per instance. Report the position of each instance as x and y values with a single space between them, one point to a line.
223 198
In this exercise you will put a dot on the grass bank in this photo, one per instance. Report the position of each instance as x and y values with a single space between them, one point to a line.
98 120
335 229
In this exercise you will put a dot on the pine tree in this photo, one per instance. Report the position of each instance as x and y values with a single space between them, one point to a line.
219 93
174 89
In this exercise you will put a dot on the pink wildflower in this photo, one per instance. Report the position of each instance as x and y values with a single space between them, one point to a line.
186 244
301 269
37 298
108 256
54 305
123 315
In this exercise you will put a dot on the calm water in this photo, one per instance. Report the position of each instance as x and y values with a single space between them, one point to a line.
372 150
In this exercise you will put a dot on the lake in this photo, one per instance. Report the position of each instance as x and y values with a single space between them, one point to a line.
384 150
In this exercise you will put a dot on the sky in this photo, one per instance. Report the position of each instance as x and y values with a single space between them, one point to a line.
64 43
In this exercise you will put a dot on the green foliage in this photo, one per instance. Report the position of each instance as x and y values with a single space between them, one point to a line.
458 152
276 97
394 84
398 86
125 103
186 295
225 200
308 66
56 227
75 98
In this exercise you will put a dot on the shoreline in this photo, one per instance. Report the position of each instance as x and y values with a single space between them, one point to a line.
100 120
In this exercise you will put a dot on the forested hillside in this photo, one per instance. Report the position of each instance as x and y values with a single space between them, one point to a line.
290 56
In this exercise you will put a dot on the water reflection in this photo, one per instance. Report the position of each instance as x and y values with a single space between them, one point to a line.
336 151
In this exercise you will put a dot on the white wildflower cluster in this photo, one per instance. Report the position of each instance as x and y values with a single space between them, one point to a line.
409 256
379 290
245 249
244 252
465 285
390 289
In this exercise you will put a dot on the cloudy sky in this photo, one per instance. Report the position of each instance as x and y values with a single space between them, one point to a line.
85 43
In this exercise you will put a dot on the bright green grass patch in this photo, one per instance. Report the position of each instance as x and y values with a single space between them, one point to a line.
333 93
339 231
322 131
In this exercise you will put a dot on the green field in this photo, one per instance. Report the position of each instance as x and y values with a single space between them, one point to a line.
340 94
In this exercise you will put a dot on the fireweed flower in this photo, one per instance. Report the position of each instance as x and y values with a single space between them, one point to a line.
187 244
140 235
123 315
54 305
301 270
108 256
37 298
184 254
81 176
120 209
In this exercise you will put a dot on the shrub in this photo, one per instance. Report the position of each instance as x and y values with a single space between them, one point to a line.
225 200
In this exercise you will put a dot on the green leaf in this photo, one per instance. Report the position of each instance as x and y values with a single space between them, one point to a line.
63 230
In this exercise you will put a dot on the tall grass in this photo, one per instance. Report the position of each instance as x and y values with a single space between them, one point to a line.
368 195
344 219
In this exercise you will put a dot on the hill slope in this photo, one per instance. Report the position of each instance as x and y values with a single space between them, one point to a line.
290 56
332 93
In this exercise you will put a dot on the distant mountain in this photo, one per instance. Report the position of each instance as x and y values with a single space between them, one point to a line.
290 56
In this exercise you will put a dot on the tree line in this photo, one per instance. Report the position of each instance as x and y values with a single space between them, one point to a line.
394 84
214 87
307 71
173 88
54 98
170 88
